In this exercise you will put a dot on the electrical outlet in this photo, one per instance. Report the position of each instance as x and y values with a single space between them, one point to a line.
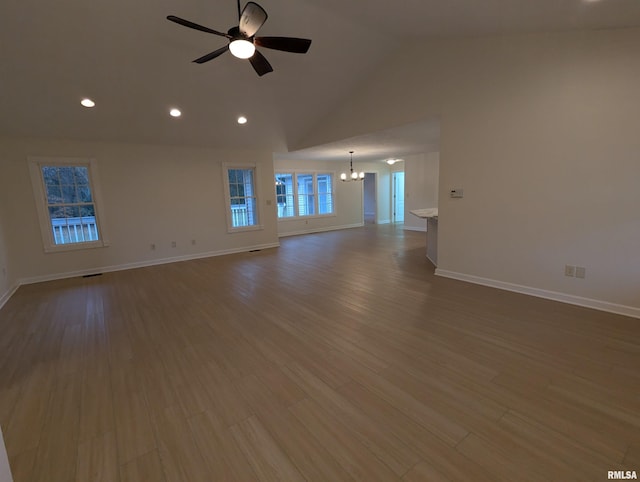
581 272
173 244
152 246
569 270
193 242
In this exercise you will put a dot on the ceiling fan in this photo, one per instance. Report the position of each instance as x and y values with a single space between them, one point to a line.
242 39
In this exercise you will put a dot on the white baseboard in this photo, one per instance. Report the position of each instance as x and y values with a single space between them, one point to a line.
319 230
384 221
143 264
540 293
9 293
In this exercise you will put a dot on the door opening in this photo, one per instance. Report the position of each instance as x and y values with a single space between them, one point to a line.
369 192
398 197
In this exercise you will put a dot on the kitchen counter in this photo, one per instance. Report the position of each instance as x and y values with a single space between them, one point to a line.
431 215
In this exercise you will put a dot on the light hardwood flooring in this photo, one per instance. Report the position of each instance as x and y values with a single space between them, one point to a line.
338 356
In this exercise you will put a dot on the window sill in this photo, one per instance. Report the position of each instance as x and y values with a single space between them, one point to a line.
62 248
257 227
302 218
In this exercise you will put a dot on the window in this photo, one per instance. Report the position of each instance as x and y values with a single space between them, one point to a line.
304 194
325 194
284 195
67 202
242 198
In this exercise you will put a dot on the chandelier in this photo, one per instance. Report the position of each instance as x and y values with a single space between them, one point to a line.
354 176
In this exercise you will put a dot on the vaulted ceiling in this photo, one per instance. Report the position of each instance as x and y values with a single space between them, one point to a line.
136 65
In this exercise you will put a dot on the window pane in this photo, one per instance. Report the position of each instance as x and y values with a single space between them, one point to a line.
306 197
232 176
325 194
88 211
248 177
69 194
71 209
84 194
54 195
252 213
50 176
284 195
81 175
242 198
73 212
57 213
66 175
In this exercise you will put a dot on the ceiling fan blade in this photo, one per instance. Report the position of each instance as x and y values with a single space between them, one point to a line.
286 44
212 55
260 64
195 26
252 18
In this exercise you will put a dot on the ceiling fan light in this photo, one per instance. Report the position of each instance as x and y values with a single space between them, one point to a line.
243 49
343 176
354 175
361 175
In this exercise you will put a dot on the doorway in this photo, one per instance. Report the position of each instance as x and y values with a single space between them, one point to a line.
397 183
370 202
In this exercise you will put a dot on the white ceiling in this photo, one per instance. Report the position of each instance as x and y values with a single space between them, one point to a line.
136 65
395 142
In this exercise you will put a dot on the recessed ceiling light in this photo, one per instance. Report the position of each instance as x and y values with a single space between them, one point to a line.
87 102
175 113
242 120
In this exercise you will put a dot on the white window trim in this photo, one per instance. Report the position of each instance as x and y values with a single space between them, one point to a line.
295 172
35 169
227 195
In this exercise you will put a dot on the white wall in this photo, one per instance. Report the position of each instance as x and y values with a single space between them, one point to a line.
7 277
151 194
541 132
421 173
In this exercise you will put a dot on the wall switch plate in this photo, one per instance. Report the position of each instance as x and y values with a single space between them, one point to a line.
173 244
456 193
581 272
569 270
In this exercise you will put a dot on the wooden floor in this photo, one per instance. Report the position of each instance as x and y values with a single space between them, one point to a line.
338 356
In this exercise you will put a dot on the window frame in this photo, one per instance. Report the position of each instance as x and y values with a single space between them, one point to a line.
42 206
316 206
226 166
